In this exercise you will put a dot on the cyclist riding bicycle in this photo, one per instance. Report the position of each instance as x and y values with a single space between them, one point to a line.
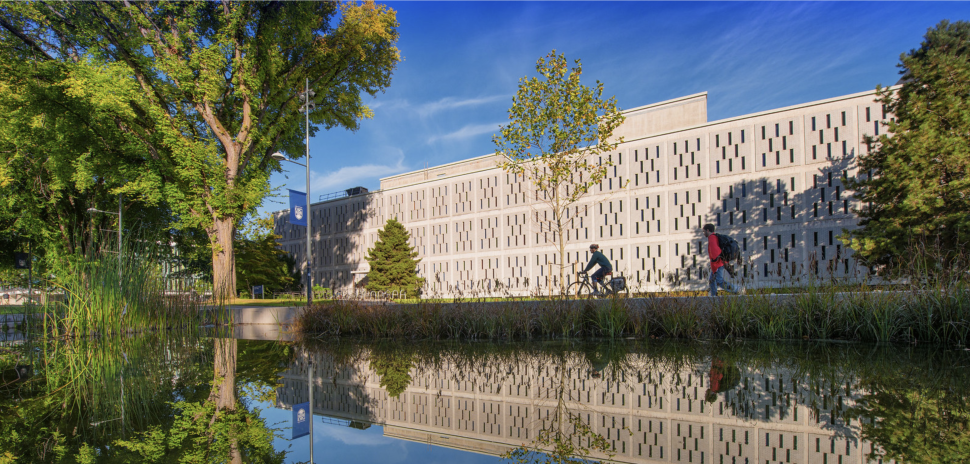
604 270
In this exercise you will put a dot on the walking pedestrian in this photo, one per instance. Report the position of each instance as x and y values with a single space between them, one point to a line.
717 264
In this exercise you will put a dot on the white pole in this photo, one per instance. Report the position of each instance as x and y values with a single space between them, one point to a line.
309 219
310 387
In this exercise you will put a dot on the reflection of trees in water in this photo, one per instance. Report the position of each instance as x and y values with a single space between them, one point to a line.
394 368
140 399
909 403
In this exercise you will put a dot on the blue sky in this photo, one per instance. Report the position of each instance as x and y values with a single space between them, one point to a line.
345 445
463 60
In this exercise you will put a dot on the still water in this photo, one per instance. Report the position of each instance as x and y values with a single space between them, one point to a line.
208 399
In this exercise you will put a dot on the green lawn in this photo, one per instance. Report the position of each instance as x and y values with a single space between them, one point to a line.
11 309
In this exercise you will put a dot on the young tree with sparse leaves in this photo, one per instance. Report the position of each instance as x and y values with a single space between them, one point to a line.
393 267
207 90
920 184
557 127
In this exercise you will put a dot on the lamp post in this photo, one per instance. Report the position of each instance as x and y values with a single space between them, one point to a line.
119 214
307 98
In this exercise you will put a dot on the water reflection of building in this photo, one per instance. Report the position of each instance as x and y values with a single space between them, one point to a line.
649 412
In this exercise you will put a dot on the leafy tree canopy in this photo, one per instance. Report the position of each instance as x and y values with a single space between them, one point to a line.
920 183
199 94
259 260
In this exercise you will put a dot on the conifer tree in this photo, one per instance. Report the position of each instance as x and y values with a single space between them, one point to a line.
392 262
919 187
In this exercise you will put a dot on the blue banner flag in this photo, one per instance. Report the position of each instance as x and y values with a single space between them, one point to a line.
301 420
298 208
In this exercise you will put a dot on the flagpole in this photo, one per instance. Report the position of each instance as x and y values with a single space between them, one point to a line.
309 219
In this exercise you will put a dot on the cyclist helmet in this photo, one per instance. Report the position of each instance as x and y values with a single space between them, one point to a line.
594 247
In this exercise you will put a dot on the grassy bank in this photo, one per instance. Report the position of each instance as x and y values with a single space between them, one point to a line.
938 314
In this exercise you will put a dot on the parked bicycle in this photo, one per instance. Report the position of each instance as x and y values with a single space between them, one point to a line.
614 287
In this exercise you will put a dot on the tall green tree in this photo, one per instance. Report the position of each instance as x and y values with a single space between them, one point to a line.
557 127
920 183
208 90
60 155
259 260
393 266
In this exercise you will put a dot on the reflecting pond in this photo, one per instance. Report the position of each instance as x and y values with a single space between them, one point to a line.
162 398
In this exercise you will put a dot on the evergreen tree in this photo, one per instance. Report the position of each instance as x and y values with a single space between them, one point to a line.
392 262
919 187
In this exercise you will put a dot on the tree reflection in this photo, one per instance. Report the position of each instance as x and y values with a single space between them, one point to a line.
218 429
140 399
393 364
564 437
916 411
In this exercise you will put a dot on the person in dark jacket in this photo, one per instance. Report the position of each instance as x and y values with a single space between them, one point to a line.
605 267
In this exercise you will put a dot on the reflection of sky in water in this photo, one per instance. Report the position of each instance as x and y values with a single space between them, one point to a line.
345 445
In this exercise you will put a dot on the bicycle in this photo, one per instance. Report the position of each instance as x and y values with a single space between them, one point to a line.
615 287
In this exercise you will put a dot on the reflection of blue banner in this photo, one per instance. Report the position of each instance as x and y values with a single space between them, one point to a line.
298 209
301 420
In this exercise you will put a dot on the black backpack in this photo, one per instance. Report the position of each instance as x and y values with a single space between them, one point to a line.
730 251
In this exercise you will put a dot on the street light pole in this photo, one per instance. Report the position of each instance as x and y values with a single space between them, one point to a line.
309 212
307 98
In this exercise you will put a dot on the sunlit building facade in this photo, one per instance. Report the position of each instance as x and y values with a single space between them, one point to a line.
774 180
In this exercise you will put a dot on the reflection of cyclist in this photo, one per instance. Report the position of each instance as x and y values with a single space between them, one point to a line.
604 270
722 378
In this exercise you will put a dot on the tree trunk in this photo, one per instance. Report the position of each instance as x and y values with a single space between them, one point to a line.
223 393
223 259
561 242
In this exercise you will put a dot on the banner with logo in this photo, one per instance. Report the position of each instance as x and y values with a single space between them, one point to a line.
301 420
298 208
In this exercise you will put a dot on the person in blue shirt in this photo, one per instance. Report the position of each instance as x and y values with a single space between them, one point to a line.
604 270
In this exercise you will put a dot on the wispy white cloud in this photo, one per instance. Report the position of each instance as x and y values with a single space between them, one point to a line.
351 176
349 436
450 103
470 130
389 104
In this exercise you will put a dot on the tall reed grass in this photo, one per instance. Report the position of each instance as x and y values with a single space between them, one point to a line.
915 313
99 298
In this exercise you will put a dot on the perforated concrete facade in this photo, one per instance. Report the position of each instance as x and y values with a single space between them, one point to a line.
773 180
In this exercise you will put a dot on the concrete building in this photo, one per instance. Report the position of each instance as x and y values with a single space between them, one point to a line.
774 180
650 411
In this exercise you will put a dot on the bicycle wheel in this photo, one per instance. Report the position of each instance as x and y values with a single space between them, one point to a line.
579 290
